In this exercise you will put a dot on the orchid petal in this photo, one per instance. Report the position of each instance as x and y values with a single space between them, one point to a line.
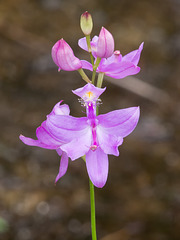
120 122
83 43
33 142
68 122
45 136
63 56
105 44
116 57
97 166
108 143
86 65
133 56
59 151
66 128
63 166
124 72
89 92
45 139
118 70
79 146
59 109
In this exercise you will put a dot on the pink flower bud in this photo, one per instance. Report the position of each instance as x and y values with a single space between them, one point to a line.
63 56
105 44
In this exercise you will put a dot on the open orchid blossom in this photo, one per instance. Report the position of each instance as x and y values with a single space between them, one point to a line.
93 136
46 140
63 56
102 46
118 66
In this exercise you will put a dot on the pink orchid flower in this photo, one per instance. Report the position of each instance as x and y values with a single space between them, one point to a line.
115 66
63 56
102 46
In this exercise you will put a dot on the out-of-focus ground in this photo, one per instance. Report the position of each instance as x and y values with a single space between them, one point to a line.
141 199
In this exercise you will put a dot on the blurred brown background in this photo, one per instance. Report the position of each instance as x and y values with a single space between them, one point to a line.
141 199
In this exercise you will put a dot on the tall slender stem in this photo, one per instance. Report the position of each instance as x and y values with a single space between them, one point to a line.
83 75
94 69
93 214
88 40
100 80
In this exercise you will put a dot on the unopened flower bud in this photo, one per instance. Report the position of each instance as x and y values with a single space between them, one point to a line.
105 44
86 23
63 56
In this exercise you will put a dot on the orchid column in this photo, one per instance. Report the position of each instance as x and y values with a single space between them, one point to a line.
94 136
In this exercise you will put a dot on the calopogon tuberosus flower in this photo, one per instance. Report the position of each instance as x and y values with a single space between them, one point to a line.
93 136
102 46
46 140
117 66
63 56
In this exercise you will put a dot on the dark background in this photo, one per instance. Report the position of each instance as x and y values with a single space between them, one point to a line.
141 199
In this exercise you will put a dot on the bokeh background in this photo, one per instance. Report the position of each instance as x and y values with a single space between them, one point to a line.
141 199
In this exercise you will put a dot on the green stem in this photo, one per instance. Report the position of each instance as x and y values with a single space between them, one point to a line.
93 215
94 69
83 75
88 40
100 80
99 84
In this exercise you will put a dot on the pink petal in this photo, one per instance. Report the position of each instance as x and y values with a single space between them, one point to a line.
54 52
107 142
83 44
105 44
86 65
133 56
63 56
45 137
68 122
124 72
80 145
120 122
66 128
59 151
59 109
97 166
33 142
89 88
63 166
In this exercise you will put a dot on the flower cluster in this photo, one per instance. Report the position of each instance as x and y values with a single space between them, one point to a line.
112 63
94 136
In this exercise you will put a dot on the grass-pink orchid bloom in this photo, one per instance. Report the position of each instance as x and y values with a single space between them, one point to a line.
46 140
118 66
102 46
63 56
93 136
